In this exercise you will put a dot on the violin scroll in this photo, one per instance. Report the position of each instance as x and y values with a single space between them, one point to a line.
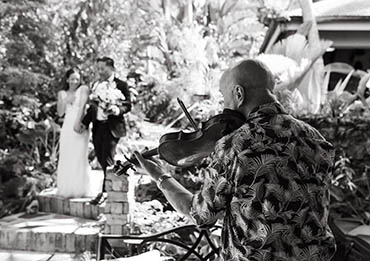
121 168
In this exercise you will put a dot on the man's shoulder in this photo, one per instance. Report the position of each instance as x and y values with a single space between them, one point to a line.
120 83
307 131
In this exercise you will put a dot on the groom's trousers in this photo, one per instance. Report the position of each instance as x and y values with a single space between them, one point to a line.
104 145
104 142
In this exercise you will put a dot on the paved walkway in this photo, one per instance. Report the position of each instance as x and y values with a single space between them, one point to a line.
48 232
54 232
36 256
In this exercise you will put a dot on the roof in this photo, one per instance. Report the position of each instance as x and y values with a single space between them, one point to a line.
336 10
353 14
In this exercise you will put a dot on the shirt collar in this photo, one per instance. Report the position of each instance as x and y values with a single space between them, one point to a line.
111 78
109 81
268 108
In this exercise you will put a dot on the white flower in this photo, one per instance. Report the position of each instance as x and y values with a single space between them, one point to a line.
107 94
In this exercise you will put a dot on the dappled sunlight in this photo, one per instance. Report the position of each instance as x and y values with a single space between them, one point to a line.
165 50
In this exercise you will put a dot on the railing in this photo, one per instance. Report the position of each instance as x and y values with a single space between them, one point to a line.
141 240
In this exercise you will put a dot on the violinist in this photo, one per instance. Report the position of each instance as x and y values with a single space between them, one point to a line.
268 180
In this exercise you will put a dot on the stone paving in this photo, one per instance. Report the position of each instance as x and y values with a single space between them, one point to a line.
48 232
65 229
18 255
62 225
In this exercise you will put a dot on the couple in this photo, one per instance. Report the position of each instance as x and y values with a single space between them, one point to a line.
73 172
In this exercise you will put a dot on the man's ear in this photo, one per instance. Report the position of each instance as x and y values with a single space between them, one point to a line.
239 95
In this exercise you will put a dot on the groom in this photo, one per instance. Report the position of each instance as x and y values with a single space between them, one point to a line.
108 123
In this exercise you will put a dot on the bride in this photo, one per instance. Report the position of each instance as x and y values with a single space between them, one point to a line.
73 171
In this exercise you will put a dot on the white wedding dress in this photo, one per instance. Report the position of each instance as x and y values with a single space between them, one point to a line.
74 179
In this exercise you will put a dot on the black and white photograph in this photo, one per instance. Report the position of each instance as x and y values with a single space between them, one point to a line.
185 130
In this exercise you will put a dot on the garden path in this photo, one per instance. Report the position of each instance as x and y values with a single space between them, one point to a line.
64 229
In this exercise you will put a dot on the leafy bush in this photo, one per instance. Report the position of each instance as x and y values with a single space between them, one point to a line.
154 102
350 185
29 135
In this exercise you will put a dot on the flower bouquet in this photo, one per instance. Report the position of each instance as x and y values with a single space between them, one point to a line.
106 95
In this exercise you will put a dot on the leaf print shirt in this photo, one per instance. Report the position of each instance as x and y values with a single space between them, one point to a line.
269 181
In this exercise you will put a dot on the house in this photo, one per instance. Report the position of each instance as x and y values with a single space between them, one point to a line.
345 22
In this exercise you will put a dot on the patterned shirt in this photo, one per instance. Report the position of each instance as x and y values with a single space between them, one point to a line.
269 180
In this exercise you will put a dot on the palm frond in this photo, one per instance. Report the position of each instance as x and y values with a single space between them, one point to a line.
296 47
338 90
325 85
343 85
308 253
261 255
262 165
338 68
324 45
277 63
302 74
362 85
268 209
275 190
227 6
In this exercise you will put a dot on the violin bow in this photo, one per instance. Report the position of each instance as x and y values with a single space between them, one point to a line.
187 114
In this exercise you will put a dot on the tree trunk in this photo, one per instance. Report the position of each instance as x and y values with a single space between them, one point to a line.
188 17
307 14
166 9
313 90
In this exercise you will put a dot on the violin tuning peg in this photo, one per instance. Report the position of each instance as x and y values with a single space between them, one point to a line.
127 158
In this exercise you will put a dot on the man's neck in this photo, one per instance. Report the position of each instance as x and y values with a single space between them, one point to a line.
248 108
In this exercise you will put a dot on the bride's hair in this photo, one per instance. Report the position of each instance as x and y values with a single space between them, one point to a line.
68 73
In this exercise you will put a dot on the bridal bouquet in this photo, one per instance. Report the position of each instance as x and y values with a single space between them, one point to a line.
107 94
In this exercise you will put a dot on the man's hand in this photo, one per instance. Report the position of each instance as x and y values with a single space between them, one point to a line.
112 110
178 196
153 168
124 108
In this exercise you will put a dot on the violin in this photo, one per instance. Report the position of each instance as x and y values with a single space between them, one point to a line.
185 149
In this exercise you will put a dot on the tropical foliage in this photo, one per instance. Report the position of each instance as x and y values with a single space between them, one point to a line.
167 49
178 48
292 67
350 184
28 132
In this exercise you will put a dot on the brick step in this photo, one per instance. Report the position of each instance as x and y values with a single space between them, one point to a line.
19 255
48 233
77 207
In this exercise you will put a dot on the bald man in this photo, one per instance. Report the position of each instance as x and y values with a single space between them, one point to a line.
267 180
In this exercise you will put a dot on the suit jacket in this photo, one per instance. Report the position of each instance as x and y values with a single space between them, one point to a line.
117 123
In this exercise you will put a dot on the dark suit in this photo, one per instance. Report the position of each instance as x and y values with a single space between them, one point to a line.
107 133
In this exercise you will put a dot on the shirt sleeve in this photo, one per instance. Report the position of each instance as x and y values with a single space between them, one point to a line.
209 204
94 86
